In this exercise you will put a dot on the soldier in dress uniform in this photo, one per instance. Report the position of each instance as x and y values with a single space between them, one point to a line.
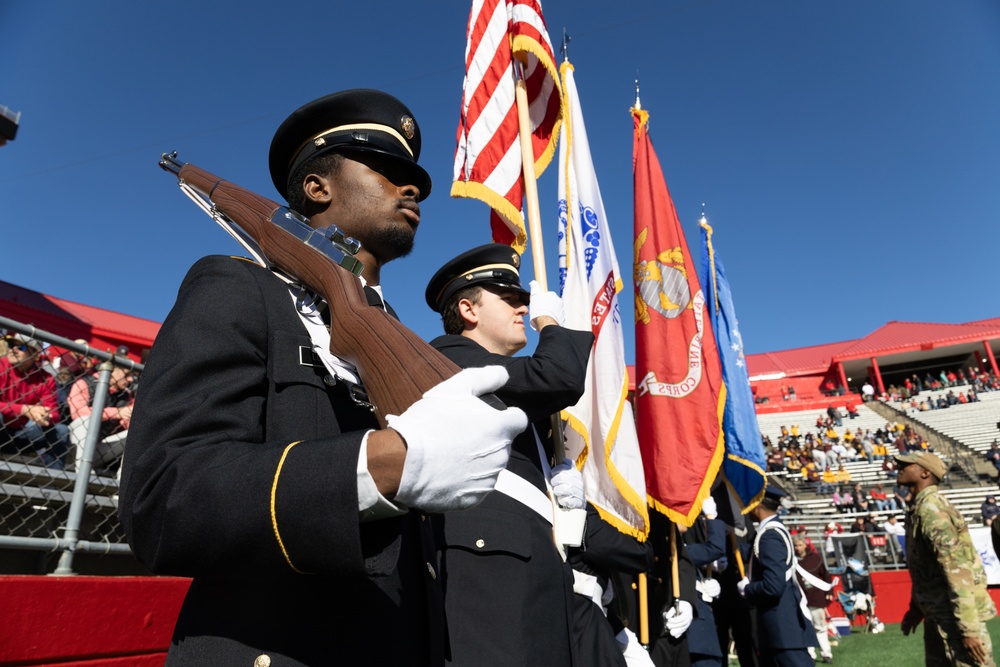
508 592
949 582
785 632
253 469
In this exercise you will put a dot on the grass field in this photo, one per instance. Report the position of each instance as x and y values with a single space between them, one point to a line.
889 648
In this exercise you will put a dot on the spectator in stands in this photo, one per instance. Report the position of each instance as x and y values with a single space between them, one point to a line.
918 386
852 409
829 482
842 475
820 421
843 501
861 524
962 398
892 526
817 587
942 403
29 404
819 458
973 396
993 455
868 447
791 392
776 460
839 452
880 498
951 397
989 510
784 431
889 467
834 415
76 363
902 495
867 392
114 418
795 430
879 450
923 406
832 528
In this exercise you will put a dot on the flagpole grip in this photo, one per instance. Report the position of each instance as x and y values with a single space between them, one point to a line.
675 575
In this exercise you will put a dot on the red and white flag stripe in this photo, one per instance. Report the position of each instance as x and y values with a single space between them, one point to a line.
488 154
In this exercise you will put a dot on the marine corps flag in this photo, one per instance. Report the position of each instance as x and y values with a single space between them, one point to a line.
679 391
744 462
488 163
601 435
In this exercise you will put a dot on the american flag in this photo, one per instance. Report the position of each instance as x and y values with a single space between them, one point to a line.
488 163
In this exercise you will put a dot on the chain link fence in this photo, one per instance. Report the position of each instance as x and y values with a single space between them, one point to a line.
64 415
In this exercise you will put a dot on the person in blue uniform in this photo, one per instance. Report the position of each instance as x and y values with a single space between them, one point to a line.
508 592
784 631
252 469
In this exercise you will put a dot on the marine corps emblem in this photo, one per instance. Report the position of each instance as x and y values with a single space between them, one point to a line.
408 125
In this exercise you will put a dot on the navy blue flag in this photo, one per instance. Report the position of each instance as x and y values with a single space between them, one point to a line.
744 462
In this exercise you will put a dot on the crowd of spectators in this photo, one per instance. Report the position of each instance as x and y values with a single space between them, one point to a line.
46 396
975 381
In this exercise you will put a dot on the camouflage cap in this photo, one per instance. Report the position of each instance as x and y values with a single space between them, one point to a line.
925 460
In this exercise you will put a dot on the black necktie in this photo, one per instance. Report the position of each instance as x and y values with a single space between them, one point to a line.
375 299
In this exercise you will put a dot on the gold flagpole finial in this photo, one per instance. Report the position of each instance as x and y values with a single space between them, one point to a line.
564 49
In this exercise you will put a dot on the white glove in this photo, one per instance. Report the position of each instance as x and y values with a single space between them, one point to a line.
677 620
456 444
567 486
709 589
742 584
709 508
544 303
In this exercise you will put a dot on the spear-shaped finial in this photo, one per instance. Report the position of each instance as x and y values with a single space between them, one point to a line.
703 218
638 105
564 49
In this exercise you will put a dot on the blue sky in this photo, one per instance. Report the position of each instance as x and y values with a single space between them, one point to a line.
848 153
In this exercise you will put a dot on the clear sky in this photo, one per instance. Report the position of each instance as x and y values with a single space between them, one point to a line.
847 152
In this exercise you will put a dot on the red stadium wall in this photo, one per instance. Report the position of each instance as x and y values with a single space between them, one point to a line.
128 621
88 621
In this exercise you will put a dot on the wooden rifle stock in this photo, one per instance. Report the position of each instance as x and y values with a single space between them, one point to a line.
396 366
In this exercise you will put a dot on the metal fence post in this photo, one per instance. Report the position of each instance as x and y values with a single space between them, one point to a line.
78 504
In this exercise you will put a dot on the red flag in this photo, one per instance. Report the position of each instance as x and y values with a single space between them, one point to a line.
679 395
488 156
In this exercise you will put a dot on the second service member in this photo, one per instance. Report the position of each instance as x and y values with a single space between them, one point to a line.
508 593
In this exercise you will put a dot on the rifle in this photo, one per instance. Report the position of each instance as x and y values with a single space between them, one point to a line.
396 366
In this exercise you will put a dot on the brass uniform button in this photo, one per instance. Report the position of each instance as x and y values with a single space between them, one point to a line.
329 380
430 570
262 660
480 543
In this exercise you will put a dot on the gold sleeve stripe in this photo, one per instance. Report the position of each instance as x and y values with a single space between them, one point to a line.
274 515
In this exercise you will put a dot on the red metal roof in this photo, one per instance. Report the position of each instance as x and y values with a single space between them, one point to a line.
891 338
75 320
896 337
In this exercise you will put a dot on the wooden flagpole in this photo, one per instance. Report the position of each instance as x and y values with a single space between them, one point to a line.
534 221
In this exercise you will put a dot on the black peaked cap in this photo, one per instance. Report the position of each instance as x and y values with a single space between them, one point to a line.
351 120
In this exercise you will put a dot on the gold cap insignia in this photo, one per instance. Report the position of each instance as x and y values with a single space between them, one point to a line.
319 142
515 259
408 125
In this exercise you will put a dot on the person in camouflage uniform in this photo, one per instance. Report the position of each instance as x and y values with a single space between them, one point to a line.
949 582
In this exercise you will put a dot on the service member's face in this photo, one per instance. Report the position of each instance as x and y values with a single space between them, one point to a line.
373 201
499 320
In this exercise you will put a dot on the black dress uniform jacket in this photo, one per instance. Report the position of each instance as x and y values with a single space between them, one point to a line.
508 594
241 473
604 552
